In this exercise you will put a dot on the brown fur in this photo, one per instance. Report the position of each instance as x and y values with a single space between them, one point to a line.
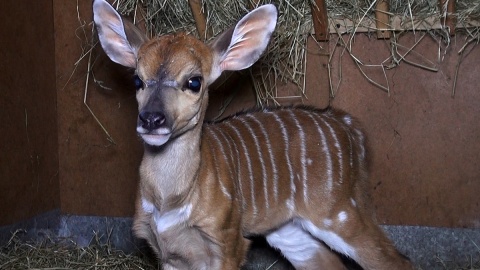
204 188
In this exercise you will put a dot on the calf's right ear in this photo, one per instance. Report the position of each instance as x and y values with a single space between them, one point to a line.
119 39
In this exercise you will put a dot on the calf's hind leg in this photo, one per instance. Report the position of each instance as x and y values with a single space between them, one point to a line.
302 250
361 239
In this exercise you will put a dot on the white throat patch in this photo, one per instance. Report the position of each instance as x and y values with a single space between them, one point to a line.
168 219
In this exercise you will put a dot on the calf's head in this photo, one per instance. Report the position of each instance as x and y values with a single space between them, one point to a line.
173 72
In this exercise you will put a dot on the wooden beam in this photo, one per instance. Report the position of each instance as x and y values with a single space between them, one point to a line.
382 19
320 20
397 23
200 19
447 9
316 77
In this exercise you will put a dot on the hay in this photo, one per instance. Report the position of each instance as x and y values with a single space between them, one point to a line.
285 58
406 16
65 254
59 254
283 61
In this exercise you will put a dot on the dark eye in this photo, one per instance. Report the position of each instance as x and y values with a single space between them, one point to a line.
194 83
138 82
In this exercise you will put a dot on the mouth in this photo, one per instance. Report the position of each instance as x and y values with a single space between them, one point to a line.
156 137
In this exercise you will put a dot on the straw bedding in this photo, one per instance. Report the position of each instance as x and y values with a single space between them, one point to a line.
59 254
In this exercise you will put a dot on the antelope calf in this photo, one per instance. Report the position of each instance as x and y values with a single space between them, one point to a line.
295 175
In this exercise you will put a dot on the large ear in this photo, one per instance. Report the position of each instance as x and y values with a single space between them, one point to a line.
120 40
239 47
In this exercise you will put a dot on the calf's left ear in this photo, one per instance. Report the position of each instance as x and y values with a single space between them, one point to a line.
242 45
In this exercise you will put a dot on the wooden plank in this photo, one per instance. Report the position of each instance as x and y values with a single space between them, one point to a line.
447 9
382 19
320 20
317 84
397 23
200 19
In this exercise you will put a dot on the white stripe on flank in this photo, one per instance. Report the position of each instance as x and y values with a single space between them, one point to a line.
286 143
262 163
338 148
219 145
350 150
356 142
238 170
303 156
361 143
215 132
271 157
347 130
326 151
249 166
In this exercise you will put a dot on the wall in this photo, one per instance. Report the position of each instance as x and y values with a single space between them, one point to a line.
97 177
28 115
423 143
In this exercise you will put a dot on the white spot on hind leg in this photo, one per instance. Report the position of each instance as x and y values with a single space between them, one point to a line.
342 216
354 203
327 222
333 240
297 245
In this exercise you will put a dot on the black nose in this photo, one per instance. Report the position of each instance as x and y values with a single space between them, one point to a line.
151 120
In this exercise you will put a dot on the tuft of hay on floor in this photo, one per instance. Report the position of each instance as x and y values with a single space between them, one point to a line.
59 254
56 254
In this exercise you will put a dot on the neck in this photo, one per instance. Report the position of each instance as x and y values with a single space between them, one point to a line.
168 172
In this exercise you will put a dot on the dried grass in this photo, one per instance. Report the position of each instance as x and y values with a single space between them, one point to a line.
58 254
412 15
285 59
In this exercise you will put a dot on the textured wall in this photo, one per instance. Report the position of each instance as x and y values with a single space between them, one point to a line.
424 144
96 176
28 132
